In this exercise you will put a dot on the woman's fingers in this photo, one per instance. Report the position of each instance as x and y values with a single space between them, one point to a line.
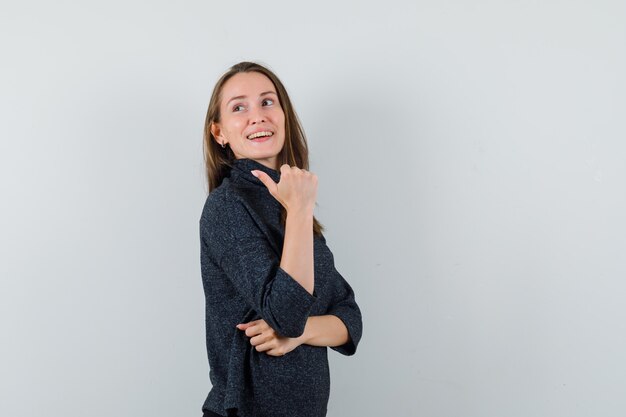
261 334
250 323
265 339
243 326
254 328
265 346
246 326
259 329
296 189
261 339
266 180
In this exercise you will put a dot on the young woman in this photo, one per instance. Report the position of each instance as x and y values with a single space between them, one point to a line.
274 299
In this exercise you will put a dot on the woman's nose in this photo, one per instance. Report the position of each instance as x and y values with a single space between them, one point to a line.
256 116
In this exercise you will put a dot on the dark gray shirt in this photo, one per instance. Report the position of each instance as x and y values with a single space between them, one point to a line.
241 245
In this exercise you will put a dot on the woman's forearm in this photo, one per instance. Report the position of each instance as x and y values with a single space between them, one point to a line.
297 256
325 330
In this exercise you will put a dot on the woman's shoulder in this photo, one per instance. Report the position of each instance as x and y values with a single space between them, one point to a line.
226 218
224 204
220 196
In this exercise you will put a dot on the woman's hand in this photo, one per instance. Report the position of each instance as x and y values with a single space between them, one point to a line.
296 190
267 340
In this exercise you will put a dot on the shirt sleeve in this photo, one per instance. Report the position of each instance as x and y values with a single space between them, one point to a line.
243 252
347 310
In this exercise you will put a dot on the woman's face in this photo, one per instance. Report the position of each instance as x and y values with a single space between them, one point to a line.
250 105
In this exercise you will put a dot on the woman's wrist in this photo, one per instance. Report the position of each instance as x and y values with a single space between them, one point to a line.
300 211
325 330
304 338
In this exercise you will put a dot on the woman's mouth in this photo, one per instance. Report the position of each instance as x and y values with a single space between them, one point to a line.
261 136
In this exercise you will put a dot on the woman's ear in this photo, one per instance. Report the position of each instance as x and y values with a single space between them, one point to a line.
216 131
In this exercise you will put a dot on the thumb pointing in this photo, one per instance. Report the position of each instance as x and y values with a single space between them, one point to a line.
265 179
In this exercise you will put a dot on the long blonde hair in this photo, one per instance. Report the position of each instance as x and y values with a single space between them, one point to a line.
295 151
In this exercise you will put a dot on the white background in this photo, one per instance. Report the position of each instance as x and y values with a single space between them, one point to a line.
472 167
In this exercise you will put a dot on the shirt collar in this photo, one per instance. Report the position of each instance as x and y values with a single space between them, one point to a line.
241 168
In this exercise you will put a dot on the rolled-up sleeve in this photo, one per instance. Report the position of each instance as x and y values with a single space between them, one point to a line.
348 311
245 255
280 300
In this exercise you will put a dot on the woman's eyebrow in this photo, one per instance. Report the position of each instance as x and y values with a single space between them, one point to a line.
239 97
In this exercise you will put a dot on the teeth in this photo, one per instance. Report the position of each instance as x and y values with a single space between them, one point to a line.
259 134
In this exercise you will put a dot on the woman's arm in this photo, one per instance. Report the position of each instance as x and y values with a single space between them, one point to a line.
297 256
325 330
297 192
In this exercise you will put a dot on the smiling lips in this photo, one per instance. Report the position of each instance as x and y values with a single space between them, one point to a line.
261 136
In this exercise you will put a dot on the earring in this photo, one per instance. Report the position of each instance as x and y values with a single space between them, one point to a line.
223 146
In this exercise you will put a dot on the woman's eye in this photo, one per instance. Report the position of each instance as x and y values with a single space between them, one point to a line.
235 108
269 99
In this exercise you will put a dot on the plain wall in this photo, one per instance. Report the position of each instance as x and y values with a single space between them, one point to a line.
472 179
